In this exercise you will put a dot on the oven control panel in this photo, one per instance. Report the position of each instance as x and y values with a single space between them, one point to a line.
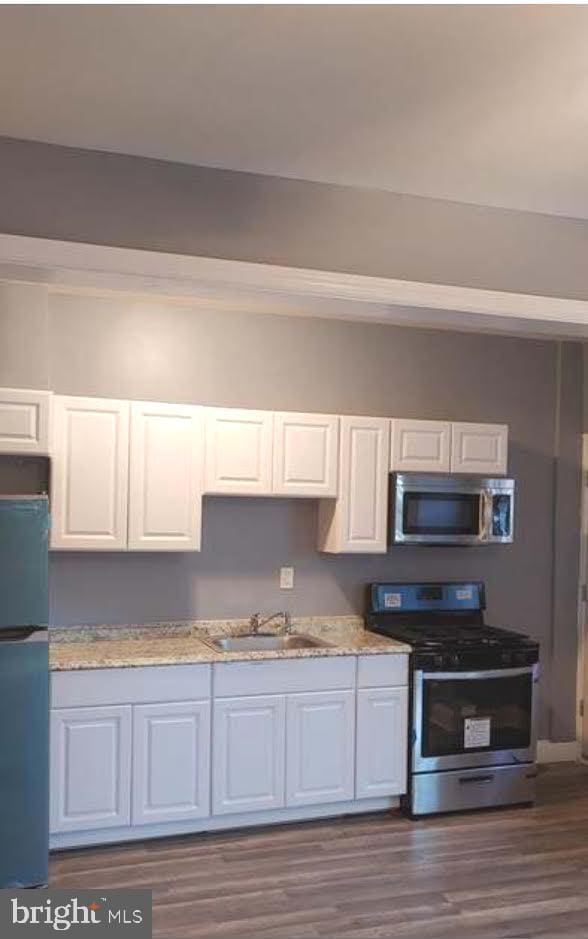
426 597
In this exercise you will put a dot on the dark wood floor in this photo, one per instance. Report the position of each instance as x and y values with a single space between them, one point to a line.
512 873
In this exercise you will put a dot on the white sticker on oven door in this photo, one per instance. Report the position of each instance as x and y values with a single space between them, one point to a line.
476 732
392 600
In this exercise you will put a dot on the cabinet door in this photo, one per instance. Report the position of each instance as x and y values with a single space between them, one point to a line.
165 485
420 446
171 761
238 452
24 421
90 768
248 754
357 522
89 474
305 454
479 448
382 720
320 748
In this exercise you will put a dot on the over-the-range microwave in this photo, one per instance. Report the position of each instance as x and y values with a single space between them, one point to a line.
460 510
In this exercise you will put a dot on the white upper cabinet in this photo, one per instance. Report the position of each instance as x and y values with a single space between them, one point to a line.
356 522
238 452
165 491
24 421
89 476
479 448
420 446
305 454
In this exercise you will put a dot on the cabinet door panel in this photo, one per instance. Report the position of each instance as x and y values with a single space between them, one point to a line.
382 719
90 768
320 735
165 501
171 762
479 448
89 477
24 420
248 754
238 451
305 454
420 446
357 521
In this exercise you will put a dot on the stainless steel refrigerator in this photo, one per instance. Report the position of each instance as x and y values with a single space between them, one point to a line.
24 691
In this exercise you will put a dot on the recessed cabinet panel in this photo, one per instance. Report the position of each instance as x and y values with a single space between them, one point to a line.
320 748
382 745
24 421
248 754
171 762
357 521
89 477
420 446
238 451
90 768
479 448
305 454
165 496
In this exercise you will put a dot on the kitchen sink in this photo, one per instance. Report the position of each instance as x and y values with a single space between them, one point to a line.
265 642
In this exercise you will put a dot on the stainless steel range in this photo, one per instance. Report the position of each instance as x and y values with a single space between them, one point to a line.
473 704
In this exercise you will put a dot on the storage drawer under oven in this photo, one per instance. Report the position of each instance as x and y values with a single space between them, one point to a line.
472 789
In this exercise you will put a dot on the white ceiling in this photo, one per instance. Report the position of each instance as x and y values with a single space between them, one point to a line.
482 104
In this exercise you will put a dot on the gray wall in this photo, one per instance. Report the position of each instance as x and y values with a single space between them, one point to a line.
104 198
139 349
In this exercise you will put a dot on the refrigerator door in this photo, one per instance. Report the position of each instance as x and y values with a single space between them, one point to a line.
24 758
24 536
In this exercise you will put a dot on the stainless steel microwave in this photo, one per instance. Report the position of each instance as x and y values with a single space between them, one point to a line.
461 510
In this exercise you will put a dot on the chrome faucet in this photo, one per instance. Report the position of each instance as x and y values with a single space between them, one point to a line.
256 623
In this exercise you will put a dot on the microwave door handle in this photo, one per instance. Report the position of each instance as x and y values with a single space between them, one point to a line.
485 515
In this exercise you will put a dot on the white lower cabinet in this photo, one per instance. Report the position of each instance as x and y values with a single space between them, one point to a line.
171 763
197 747
248 754
320 755
382 727
90 768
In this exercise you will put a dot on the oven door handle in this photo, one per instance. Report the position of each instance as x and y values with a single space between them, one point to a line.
468 780
490 673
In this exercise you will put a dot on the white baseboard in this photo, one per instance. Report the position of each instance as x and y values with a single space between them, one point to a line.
556 751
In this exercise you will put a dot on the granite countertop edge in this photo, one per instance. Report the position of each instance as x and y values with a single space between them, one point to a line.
77 648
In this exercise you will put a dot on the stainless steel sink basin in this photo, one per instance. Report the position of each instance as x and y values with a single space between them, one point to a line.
265 642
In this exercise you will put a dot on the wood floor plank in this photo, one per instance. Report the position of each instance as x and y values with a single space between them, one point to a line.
507 874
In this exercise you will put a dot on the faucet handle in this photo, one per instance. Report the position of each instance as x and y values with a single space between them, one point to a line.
287 622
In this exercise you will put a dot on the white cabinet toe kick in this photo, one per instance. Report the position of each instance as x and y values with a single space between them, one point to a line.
148 752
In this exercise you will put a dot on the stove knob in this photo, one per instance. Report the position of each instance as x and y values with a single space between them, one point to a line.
453 660
506 658
438 661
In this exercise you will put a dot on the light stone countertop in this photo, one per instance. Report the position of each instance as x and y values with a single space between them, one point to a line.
92 647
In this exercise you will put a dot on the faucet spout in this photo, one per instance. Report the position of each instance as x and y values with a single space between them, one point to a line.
256 622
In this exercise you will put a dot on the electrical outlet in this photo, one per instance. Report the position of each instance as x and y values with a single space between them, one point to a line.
286 578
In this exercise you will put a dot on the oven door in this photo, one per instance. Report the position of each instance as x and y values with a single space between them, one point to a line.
440 511
480 718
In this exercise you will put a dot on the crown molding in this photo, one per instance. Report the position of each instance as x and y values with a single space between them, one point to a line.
67 266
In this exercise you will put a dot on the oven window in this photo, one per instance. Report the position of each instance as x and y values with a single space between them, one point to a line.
441 513
463 715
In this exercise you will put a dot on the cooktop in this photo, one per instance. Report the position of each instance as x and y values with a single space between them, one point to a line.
444 625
